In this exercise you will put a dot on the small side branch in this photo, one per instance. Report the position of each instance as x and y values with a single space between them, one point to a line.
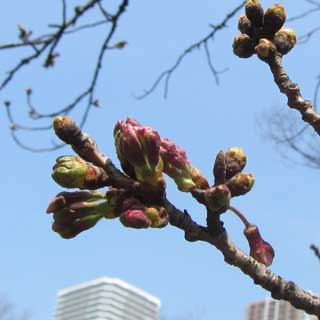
167 74
47 44
315 250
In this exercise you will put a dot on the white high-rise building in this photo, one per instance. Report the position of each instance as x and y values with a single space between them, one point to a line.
270 309
106 299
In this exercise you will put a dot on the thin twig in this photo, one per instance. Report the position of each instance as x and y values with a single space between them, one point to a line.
49 43
167 74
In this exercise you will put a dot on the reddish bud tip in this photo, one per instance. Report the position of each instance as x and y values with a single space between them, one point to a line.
260 250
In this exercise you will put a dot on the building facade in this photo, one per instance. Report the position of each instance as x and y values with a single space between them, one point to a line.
106 299
270 309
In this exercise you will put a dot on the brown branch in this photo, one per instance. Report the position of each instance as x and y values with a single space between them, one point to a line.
278 287
68 131
316 250
167 74
292 91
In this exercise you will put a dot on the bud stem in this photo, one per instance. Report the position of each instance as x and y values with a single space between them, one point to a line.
241 216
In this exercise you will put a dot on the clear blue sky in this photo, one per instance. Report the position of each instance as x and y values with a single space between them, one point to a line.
198 115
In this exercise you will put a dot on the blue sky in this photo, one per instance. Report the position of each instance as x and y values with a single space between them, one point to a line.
198 115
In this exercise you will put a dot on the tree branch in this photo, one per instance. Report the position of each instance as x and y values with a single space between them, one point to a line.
49 43
68 131
167 74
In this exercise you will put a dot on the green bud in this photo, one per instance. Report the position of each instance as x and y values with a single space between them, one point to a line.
254 12
218 198
243 46
240 184
265 49
74 212
74 172
235 160
274 18
285 39
158 216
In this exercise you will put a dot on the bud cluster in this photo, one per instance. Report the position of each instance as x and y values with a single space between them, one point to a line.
138 149
137 215
74 212
144 155
263 32
229 179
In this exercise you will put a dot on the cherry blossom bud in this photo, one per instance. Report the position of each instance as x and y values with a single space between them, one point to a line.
285 39
138 149
158 216
68 231
218 198
66 129
236 160
74 212
265 49
133 218
245 25
274 18
243 46
74 172
240 184
178 167
219 168
260 250
254 12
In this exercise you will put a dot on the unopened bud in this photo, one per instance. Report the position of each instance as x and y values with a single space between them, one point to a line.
285 39
260 250
198 178
136 219
176 165
243 46
245 25
265 49
74 172
138 149
254 12
74 212
68 231
235 160
66 129
218 198
274 18
240 184
219 168
158 216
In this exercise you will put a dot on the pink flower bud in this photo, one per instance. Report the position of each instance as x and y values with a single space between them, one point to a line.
138 149
178 167
260 250
135 219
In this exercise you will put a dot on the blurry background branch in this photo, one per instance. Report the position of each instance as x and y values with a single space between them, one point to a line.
204 42
316 250
8 311
46 46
